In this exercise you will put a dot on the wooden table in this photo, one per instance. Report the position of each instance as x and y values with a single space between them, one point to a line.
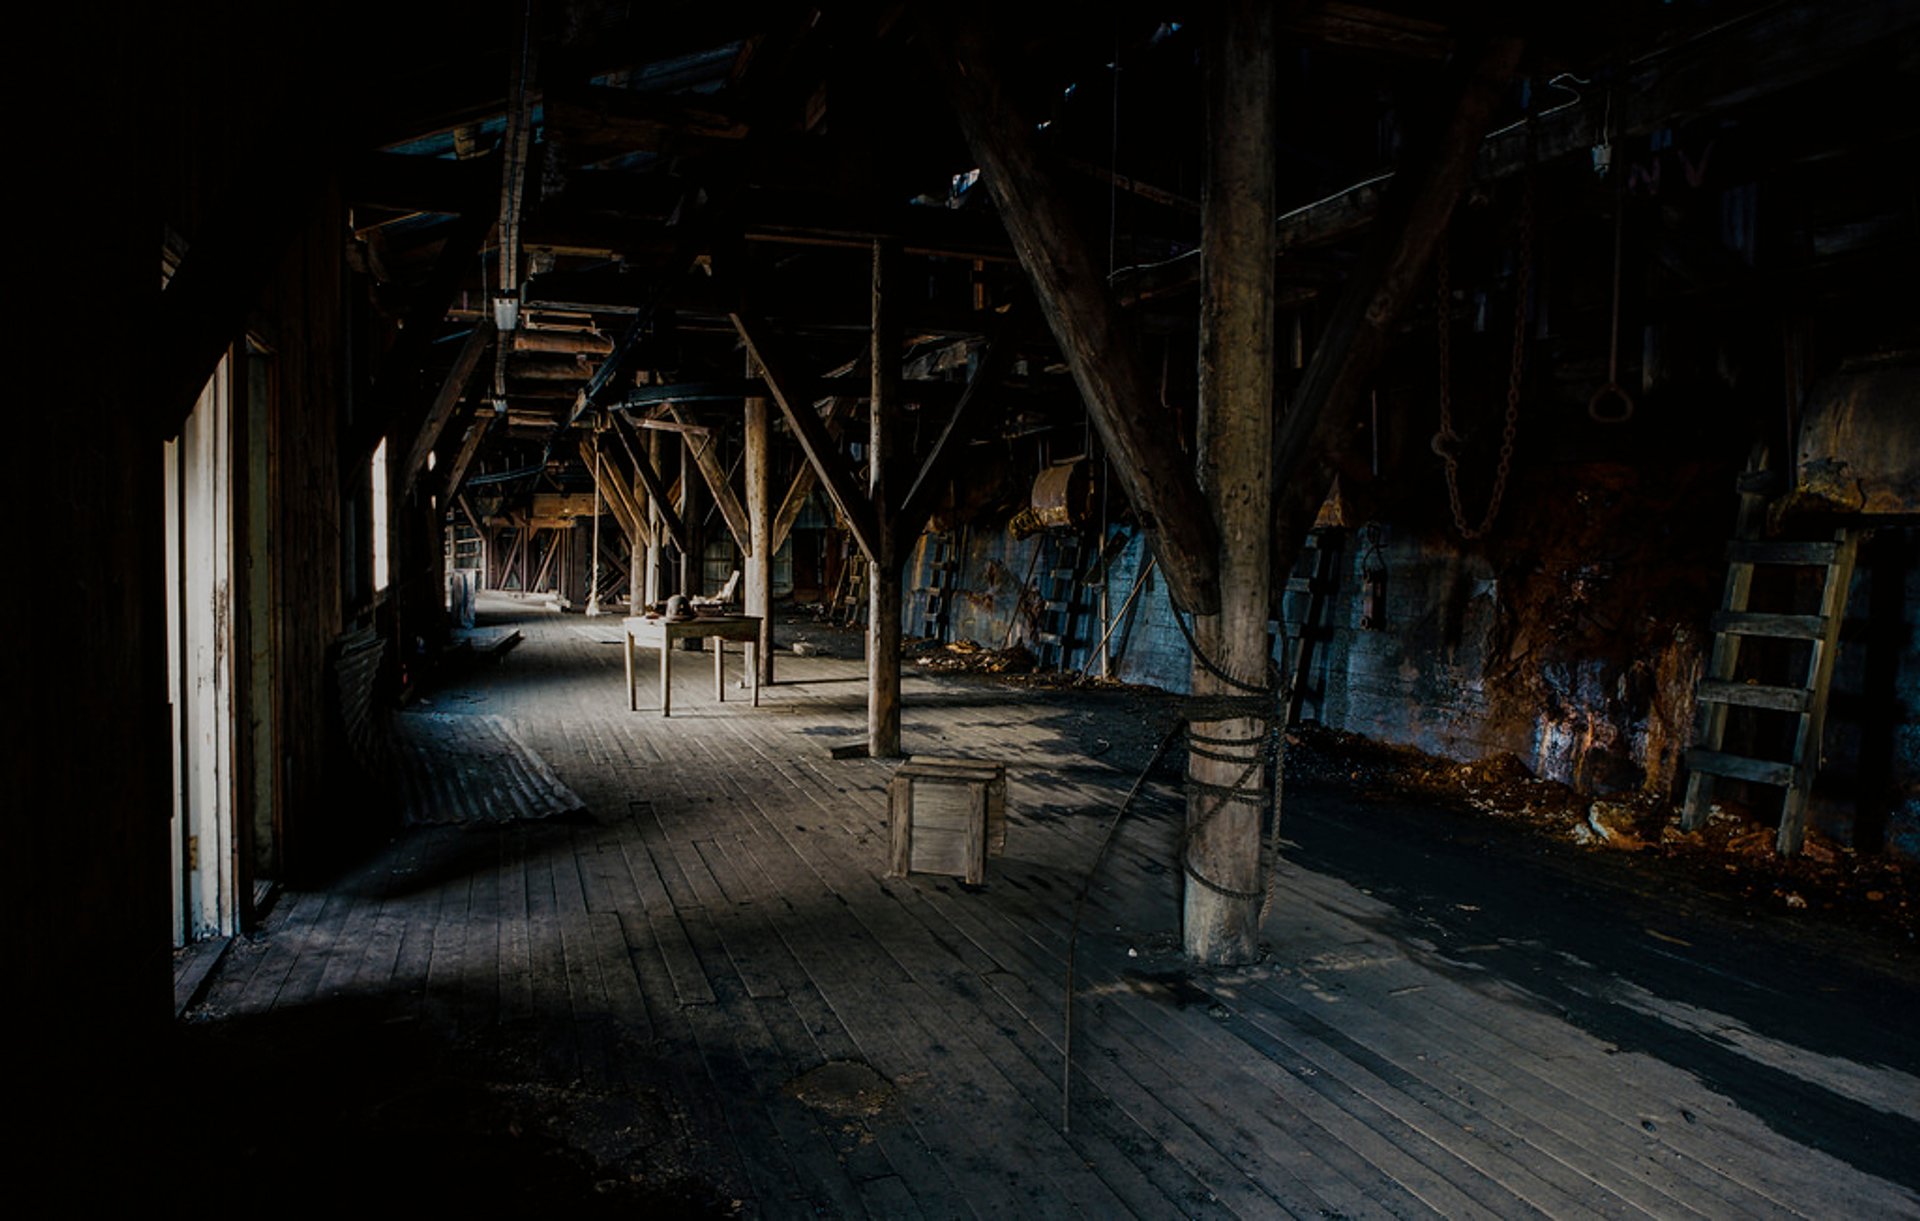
662 633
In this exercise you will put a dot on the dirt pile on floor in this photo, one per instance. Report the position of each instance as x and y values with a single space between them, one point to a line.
967 657
1732 856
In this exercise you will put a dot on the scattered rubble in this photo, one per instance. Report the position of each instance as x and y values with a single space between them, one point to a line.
967 657
1732 856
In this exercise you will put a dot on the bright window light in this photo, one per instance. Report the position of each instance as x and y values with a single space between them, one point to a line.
380 516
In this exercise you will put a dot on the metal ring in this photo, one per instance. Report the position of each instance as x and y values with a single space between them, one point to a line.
1610 391
1442 444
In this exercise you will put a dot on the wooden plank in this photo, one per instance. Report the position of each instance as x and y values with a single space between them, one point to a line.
1316 433
1759 771
822 454
1754 695
427 435
1756 623
1093 333
1758 551
683 965
1809 740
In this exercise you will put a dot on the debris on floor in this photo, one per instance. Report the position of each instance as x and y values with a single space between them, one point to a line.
965 656
1732 856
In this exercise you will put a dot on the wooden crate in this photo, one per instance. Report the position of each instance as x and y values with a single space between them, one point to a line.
948 816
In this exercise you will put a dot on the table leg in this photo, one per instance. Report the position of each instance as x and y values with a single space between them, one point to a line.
666 674
753 670
633 700
719 669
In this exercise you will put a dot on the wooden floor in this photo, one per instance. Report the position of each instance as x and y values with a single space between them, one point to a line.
717 926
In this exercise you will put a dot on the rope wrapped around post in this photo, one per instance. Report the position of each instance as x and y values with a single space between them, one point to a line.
1258 702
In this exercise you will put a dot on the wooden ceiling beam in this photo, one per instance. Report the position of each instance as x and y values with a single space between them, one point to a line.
426 434
1754 59
706 458
1093 333
662 498
463 458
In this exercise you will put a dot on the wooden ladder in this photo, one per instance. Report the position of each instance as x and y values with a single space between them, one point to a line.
851 608
941 565
1060 592
1321 556
1718 690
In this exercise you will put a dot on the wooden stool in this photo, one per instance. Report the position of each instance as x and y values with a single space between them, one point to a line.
948 816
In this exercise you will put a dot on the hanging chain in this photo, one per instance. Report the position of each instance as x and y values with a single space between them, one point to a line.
1446 441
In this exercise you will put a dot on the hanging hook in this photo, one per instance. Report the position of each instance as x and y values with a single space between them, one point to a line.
1622 409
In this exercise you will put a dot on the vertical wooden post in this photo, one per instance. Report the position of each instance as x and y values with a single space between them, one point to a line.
654 553
759 579
593 568
1236 475
690 514
636 569
883 584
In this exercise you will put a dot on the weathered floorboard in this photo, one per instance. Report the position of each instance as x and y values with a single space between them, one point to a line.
718 923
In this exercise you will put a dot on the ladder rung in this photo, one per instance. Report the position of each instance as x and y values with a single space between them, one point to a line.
1755 695
1747 551
1785 627
1760 771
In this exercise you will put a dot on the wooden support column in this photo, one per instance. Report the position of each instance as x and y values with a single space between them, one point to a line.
690 514
644 542
599 507
883 573
1085 319
646 468
1317 434
1235 451
759 577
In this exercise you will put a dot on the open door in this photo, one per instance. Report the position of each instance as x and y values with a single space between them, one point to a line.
201 671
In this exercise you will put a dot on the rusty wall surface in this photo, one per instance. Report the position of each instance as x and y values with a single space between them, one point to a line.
1571 641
